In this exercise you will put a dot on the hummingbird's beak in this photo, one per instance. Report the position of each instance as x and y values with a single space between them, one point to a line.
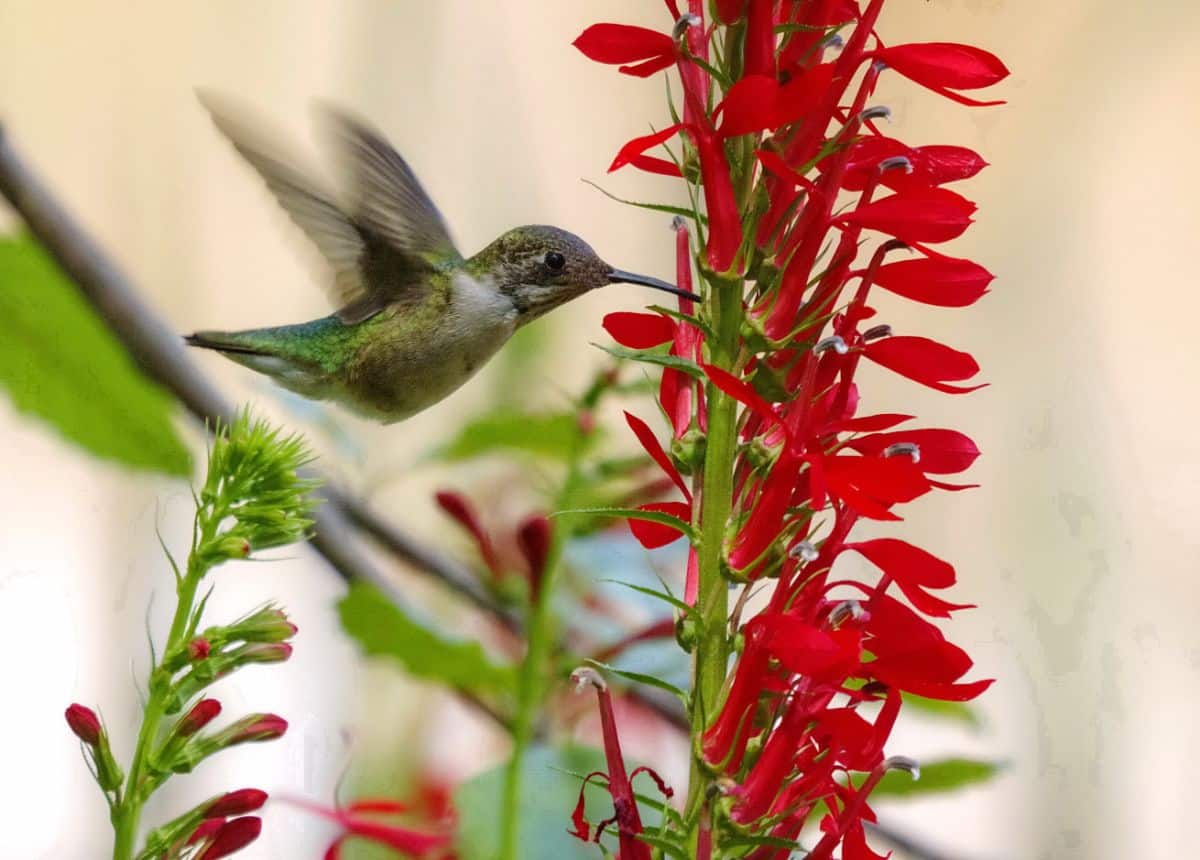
619 276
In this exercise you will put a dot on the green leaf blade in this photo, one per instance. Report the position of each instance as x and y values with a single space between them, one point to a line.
383 629
61 364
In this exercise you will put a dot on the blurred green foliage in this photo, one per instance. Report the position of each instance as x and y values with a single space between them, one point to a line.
383 629
60 363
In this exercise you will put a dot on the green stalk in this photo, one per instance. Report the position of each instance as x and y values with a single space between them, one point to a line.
535 671
711 657
127 815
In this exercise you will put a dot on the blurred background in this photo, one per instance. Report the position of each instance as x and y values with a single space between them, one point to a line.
1080 550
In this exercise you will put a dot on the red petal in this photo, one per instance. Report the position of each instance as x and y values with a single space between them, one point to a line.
724 221
759 43
916 215
945 65
810 651
942 163
621 43
886 479
799 98
923 360
634 148
639 331
749 106
943 452
459 508
648 67
740 391
904 562
650 443
855 847
654 164
653 535
943 281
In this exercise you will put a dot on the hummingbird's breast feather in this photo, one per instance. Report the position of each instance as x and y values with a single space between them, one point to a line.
414 356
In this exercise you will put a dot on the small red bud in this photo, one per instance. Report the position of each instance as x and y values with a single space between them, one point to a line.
84 723
263 727
201 714
236 803
533 537
232 836
586 422
198 649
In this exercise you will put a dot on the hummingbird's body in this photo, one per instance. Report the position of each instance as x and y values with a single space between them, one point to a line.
417 320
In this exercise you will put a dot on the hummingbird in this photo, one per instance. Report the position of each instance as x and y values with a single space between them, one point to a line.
415 318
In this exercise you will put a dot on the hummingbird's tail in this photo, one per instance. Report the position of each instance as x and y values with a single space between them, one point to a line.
270 352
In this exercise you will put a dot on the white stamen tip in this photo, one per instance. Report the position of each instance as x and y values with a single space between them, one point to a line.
804 551
896 161
904 763
586 676
685 21
833 342
876 112
911 449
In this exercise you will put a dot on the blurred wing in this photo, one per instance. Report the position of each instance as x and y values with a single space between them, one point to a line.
310 207
384 195
371 270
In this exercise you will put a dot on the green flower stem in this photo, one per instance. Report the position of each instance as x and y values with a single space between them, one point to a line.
711 656
127 815
536 667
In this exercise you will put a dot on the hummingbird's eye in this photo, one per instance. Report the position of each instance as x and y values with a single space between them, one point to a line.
555 260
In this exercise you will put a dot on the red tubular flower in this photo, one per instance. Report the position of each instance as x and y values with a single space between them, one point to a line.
201 714
534 536
460 509
231 837
620 787
786 152
234 803
358 821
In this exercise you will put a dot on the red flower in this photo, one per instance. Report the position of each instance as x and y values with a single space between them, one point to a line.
620 787
201 714
459 508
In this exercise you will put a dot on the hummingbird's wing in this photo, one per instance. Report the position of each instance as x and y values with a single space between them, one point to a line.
376 261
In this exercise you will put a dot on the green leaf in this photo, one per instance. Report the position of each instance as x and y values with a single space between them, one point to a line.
664 596
959 712
656 207
59 362
641 678
549 788
555 436
685 529
937 777
385 630
649 357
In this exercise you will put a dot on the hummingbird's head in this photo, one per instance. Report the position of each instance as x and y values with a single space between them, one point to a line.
541 267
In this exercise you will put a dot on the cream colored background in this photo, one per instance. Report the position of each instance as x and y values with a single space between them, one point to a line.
1080 550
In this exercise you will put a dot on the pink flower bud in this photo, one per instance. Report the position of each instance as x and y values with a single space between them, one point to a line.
264 652
258 727
198 649
201 714
84 723
236 803
232 836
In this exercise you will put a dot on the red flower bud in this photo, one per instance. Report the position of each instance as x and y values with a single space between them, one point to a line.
198 649
84 723
232 836
460 509
260 727
236 803
533 538
201 714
